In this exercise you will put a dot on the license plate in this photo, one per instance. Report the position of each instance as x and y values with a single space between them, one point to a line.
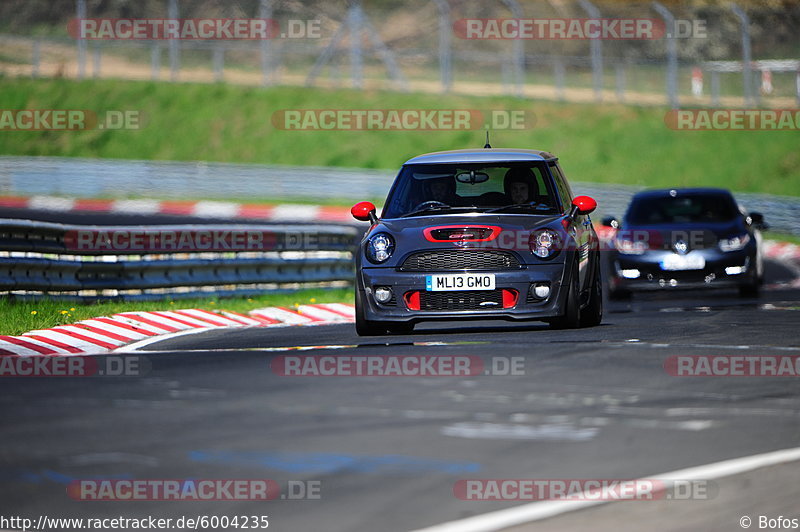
459 281
683 262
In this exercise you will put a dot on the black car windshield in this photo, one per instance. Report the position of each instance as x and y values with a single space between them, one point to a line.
451 188
682 208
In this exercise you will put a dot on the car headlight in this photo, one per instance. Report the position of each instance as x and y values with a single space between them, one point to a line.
545 243
380 247
630 247
734 244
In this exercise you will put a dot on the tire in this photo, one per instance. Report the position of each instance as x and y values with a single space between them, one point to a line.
365 327
592 313
571 319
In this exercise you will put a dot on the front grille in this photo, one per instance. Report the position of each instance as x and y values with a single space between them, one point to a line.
461 300
460 259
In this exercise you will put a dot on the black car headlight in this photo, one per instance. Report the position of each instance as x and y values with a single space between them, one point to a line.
545 243
380 247
627 246
734 244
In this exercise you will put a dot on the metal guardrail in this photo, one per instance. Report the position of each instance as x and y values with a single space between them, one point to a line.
81 177
127 178
144 262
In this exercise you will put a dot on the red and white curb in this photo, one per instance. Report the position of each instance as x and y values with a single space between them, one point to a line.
202 209
782 251
106 334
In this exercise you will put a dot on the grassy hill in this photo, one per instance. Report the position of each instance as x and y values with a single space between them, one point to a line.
606 143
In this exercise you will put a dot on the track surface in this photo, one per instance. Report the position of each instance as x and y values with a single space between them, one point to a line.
593 403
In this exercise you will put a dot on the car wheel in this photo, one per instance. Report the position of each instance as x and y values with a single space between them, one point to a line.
571 319
592 313
365 327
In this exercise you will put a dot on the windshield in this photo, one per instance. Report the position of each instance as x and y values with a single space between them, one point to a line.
447 188
685 208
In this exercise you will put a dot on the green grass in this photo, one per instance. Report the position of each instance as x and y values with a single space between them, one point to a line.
603 143
20 316
782 237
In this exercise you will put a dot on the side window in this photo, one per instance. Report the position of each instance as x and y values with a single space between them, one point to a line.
561 183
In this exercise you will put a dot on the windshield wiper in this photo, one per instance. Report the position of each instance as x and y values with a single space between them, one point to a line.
537 206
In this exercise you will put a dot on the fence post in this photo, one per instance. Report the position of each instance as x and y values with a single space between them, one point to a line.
797 87
597 52
620 79
96 61
219 61
559 72
672 55
445 55
354 24
715 88
265 12
81 14
155 60
517 50
172 13
36 58
747 74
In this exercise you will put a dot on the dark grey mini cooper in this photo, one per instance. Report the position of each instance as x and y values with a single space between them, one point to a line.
478 234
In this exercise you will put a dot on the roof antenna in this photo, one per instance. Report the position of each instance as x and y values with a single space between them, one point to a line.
487 145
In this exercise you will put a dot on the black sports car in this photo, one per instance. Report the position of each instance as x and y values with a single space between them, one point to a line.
478 234
685 238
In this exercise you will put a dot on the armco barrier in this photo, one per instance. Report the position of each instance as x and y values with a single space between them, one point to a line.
135 262
49 183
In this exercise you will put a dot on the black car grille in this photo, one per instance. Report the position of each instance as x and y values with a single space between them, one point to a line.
461 300
460 259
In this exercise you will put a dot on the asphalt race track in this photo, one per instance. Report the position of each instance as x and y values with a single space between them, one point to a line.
591 403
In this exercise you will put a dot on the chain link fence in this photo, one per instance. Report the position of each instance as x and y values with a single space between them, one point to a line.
712 54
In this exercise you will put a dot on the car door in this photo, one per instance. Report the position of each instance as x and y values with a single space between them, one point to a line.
582 226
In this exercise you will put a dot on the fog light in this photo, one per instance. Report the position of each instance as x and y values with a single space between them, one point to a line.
734 270
540 291
383 294
631 274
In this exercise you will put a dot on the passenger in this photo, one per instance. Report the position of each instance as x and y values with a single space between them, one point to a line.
520 186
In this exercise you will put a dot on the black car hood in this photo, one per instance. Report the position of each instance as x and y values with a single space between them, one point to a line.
505 221
697 235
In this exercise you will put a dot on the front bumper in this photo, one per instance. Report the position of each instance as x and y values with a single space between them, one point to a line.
513 280
644 272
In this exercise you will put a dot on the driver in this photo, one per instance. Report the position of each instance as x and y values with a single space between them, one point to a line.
520 186
443 189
